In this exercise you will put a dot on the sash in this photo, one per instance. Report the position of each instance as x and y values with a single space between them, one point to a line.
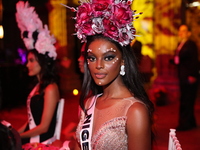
31 121
176 58
86 131
35 139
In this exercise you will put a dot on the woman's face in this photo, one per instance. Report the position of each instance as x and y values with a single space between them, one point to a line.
81 59
104 61
33 66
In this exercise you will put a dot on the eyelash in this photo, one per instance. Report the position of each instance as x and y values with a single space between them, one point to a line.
106 58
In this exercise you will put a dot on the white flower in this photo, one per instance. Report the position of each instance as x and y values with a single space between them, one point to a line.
27 18
28 43
45 43
97 25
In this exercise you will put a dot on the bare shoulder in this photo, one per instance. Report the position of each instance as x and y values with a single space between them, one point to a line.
137 109
138 120
138 127
52 86
52 92
52 89
88 102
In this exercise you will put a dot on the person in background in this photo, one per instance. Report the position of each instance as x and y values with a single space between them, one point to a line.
186 59
9 137
43 100
137 49
81 58
116 111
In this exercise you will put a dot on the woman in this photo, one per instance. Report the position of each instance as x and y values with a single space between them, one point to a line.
9 137
123 112
43 100
81 59
116 112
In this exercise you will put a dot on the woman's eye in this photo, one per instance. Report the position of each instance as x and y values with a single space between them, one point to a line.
109 58
91 58
31 60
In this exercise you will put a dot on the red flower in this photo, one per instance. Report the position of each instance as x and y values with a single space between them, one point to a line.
112 18
87 29
84 13
122 14
110 29
99 9
103 1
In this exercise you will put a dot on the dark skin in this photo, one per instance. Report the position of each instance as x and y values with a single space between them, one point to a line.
104 62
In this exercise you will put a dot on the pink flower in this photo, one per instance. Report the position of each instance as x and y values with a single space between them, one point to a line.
122 14
86 28
103 1
84 13
110 29
28 43
44 43
38 146
112 18
99 9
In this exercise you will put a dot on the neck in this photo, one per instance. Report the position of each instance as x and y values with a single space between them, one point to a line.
183 40
38 77
116 89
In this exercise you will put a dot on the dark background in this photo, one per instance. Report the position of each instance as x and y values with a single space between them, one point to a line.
14 81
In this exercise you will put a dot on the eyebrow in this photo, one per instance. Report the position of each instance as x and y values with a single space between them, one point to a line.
107 52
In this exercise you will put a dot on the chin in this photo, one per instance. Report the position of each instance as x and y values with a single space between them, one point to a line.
31 74
100 84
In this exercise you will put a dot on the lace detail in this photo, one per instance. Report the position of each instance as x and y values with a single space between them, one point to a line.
113 128
109 128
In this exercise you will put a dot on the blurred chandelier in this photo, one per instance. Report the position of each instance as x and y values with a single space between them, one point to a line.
194 4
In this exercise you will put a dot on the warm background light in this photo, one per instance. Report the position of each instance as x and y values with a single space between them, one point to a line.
1 32
144 25
75 92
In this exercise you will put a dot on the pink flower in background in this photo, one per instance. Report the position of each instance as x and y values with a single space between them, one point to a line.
28 43
38 146
44 43
29 22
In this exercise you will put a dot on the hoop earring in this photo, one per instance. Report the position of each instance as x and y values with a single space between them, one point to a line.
122 71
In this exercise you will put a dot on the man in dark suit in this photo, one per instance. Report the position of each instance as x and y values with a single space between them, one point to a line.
186 59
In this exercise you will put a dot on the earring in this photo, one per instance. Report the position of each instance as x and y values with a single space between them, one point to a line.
122 71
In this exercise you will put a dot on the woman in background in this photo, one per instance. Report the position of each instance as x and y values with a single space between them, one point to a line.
43 100
116 111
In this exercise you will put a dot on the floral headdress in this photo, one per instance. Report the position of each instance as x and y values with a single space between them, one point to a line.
112 18
32 31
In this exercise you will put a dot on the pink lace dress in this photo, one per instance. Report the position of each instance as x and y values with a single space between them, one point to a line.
109 128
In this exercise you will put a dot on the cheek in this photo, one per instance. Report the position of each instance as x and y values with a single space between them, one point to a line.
112 66
37 68
92 69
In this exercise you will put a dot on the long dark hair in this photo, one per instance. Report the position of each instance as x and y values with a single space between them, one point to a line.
7 139
48 70
132 79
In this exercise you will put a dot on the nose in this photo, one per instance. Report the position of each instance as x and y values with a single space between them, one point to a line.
99 64
81 59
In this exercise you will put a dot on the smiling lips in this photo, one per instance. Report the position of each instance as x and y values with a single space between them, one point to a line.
100 75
